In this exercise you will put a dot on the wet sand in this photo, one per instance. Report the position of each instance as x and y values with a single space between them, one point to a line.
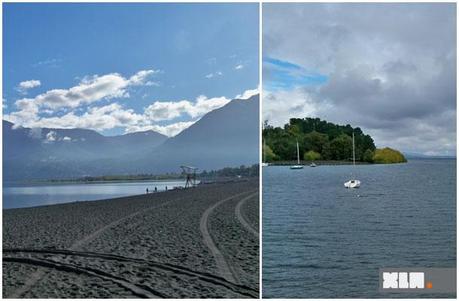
195 243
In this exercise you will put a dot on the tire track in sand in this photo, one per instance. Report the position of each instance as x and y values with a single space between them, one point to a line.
115 223
141 291
242 220
41 274
222 265
203 276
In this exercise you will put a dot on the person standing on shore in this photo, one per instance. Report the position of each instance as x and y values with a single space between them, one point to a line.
147 190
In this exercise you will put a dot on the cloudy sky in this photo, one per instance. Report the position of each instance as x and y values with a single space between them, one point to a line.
119 68
387 68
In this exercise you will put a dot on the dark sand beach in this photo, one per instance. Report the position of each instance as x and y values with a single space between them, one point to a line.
196 243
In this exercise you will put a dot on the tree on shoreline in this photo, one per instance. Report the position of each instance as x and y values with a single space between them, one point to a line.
311 156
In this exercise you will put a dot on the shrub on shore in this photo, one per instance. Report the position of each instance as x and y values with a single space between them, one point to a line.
311 156
268 154
388 155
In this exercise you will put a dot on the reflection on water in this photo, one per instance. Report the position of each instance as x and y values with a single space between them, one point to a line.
17 195
321 240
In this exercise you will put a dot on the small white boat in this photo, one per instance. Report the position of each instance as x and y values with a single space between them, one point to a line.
312 164
298 166
353 183
264 164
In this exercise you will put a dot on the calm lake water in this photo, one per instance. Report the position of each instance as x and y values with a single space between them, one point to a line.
26 195
321 240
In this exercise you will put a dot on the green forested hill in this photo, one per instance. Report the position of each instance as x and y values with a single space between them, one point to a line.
319 140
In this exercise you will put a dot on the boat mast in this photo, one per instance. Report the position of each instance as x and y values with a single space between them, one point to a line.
264 146
353 149
264 151
298 152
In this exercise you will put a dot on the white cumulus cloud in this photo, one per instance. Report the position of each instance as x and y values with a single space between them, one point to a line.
248 93
166 117
51 136
28 84
167 110
91 89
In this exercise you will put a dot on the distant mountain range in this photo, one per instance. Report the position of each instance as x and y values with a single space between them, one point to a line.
225 137
410 155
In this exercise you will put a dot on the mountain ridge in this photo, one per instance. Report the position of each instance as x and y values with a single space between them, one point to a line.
227 136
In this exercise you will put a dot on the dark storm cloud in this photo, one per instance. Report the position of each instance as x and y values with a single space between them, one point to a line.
391 69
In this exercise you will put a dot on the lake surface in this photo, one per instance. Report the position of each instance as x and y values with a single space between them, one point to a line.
321 240
27 195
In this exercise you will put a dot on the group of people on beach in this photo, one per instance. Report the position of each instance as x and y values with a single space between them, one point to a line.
156 190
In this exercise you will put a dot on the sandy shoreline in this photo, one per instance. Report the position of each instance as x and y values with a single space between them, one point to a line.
184 243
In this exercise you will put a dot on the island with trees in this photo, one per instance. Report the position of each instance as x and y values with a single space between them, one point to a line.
322 141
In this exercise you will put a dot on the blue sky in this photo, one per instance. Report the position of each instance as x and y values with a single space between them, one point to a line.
284 75
125 67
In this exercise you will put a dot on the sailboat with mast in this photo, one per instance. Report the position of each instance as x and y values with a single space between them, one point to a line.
297 166
352 183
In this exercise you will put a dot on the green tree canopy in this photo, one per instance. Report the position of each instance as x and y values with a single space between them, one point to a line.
268 154
341 147
368 156
314 141
311 156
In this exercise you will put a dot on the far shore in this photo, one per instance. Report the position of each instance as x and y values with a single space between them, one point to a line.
202 180
319 162
337 162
